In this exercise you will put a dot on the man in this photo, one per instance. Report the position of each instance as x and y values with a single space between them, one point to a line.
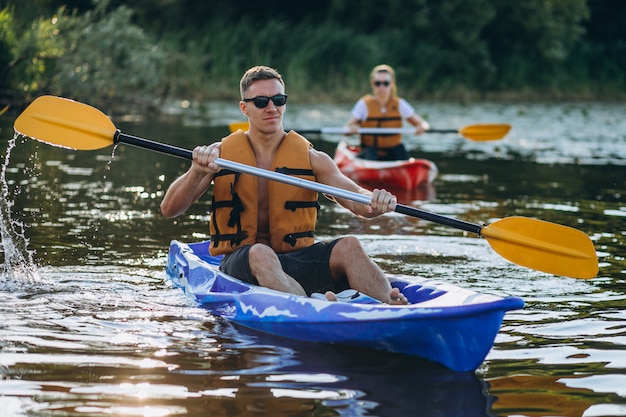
265 228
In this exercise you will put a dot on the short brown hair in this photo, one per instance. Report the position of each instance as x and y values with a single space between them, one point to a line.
258 73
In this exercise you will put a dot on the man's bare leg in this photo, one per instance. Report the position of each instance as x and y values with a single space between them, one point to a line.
348 258
266 267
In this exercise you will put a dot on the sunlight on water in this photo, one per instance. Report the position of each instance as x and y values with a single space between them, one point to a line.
91 326
546 133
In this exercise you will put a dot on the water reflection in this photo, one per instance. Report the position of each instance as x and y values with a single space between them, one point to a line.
89 325
538 396
361 372
109 342
543 394
415 196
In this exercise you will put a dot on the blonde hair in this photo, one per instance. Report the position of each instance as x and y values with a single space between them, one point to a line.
257 73
389 70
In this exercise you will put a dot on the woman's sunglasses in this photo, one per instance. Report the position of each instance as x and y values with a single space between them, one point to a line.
261 102
384 83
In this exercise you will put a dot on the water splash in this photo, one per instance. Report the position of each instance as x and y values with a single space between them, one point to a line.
18 266
109 163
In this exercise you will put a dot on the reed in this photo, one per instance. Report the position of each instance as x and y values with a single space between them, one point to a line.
170 51
331 63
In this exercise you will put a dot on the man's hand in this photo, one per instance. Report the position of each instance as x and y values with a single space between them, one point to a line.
382 202
203 158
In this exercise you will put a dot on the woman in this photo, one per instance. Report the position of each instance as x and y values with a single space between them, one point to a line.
383 108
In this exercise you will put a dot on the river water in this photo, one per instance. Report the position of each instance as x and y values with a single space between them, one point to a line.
90 326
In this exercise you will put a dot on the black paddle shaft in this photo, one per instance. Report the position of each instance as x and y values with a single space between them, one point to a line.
436 218
149 144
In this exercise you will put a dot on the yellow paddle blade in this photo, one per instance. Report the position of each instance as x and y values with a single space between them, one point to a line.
62 122
544 246
484 132
235 126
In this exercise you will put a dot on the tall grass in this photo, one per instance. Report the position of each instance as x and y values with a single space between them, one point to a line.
331 63
325 62
321 60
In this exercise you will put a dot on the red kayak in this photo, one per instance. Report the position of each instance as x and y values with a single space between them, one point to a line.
406 175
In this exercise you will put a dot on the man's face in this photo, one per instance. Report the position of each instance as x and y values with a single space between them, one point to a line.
268 119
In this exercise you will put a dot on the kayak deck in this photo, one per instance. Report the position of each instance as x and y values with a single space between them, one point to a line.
444 323
407 174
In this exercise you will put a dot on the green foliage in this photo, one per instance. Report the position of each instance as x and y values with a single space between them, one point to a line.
104 50
7 41
601 57
25 51
106 57
214 63
98 56
530 40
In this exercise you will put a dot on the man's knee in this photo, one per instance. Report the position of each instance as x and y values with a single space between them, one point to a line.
348 246
260 253
260 256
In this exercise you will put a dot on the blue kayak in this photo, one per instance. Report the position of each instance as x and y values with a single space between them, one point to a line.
443 323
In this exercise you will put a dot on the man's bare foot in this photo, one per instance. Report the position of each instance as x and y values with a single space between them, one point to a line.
397 298
331 296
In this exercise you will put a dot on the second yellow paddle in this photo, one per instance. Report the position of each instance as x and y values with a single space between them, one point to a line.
477 132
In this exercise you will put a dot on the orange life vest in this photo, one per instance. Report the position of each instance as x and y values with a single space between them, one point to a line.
376 118
292 210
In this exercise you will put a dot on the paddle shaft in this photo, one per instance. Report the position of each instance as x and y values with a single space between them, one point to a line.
152 145
476 132
372 130
298 182
348 195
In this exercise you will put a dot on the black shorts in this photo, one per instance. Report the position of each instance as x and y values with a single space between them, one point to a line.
309 266
397 153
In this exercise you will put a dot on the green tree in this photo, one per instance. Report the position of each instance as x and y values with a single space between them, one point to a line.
529 40
98 56
107 58
600 61
25 50
7 41
108 49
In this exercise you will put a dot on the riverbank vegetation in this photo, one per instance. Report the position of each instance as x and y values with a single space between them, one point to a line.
106 52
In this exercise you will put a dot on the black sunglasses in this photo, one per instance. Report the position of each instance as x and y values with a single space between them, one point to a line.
261 102
379 83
